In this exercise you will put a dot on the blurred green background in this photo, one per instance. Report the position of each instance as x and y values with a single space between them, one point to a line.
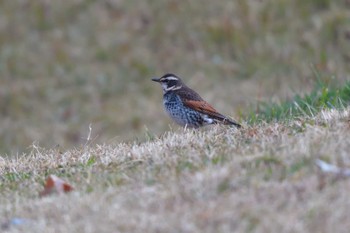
66 64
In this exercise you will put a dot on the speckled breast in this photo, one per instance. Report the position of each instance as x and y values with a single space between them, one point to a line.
180 113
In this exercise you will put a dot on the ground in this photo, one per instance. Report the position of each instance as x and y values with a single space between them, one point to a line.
258 179
67 67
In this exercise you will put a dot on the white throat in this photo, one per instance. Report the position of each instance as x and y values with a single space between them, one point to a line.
173 88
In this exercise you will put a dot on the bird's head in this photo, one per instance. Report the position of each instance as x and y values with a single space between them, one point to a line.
169 82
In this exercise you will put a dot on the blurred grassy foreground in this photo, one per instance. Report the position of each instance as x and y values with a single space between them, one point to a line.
66 64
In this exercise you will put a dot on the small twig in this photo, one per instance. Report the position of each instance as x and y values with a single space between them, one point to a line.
89 135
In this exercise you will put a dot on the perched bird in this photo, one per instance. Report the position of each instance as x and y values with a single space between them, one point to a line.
186 107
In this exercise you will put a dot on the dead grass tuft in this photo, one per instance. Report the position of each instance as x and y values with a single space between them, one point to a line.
262 178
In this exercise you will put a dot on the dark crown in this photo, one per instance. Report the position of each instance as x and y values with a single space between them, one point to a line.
169 82
169 77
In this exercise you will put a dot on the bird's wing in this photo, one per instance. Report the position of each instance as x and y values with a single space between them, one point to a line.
203 107
193 100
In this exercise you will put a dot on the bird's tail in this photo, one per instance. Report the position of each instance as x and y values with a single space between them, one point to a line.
221 119
227 121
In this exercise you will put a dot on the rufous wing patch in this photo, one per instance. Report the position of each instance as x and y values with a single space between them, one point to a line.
202 107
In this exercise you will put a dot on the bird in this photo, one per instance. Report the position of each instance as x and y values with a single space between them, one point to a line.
186 107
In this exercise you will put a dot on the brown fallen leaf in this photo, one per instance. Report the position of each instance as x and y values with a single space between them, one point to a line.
55 184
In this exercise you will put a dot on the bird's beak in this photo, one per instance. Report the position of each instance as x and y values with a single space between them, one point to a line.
156 80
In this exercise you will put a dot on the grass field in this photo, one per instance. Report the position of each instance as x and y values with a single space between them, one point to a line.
280 67
259 179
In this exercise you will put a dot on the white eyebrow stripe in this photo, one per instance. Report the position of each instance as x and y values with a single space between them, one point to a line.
170 78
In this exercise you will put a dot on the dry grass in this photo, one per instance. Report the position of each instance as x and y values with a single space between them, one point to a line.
260 179
66 64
